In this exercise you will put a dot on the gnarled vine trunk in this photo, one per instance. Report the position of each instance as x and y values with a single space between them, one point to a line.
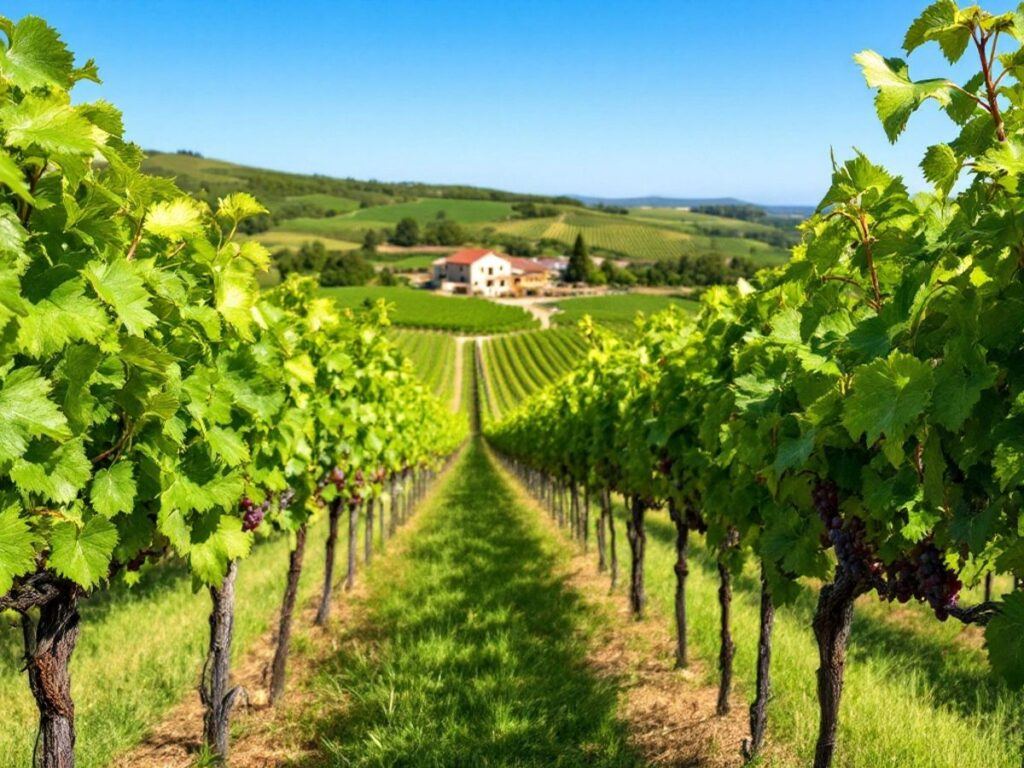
380 518
353 535
585 518
368 532
759 707
682 571
214 691
727 648
332 541
602 536
393 504
613 550
284 625
637 536
574 509
832 621
49 644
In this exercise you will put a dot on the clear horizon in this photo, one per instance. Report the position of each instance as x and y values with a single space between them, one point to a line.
694 100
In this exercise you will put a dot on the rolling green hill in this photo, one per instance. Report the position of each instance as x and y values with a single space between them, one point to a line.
340 212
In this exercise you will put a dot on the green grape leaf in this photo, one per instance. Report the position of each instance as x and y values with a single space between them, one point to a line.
48 125
210 555
941 167
113 489
961 106
887 395
1002 639
1008 461
227 445
17 553
57 472
26 411
898 96
786 541
302 368
117 284
63 316
14 177
959 381
82 554
1005 161
236 294
938 22
35 56
175 220
238 206
794 451
171 522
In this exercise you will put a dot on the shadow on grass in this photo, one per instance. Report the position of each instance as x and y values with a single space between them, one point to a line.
474 654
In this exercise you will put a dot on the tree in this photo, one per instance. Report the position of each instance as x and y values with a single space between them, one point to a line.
407 232
444 232
581 268
370 241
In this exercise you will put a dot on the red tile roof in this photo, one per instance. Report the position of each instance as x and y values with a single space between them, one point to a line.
525 265
468 255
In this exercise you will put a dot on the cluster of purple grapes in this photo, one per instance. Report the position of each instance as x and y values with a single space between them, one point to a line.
253 513
854 552
923 575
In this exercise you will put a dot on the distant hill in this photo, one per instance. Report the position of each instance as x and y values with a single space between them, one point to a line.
343 213
655 201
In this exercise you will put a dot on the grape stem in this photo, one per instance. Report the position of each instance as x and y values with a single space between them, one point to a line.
979 614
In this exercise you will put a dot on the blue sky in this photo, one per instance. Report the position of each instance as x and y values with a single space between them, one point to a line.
687 98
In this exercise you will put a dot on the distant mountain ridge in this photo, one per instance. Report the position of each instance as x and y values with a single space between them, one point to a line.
656 201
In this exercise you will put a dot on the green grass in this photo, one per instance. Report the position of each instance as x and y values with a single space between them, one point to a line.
422 309
426 210
914 697
473 652
326 201
140 652
616 311
412 262
276 239
433 355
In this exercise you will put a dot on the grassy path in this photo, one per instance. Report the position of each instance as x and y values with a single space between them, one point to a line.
472 651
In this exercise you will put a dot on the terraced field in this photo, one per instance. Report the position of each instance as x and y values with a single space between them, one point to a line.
516 366
433 355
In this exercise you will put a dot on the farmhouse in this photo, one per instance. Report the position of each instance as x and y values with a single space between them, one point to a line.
486 273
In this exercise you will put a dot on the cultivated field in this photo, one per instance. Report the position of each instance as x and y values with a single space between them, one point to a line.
518 365
433 355
617 311
420 309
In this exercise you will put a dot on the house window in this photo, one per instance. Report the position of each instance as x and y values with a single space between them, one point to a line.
502 283
490 270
